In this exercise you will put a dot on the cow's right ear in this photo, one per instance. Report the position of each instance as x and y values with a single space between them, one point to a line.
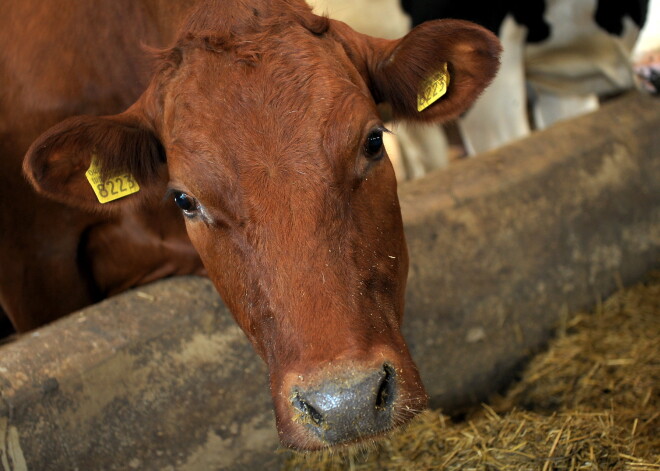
125 151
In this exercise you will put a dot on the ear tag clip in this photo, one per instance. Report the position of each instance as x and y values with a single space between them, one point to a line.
112 188
433 89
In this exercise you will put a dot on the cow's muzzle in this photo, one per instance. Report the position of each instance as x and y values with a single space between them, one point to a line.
346 408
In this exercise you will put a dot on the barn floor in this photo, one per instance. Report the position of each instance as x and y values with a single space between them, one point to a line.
590 402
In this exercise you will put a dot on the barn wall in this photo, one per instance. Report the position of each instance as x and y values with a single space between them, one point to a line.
501 246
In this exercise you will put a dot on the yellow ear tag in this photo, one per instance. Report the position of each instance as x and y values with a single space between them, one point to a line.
112 188
433 89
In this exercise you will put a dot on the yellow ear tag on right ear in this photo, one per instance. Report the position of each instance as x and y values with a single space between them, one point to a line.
433 89
112 188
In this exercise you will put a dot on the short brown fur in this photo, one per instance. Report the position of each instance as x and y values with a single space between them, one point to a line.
256 117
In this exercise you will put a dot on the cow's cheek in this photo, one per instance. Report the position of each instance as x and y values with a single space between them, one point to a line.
221 263
198 234
227 270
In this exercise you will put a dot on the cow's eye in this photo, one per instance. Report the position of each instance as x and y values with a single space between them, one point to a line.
373 147
187 203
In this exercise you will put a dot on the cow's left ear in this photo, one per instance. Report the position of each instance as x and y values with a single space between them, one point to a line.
96 163
434 73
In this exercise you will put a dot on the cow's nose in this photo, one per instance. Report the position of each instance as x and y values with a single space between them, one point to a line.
349 406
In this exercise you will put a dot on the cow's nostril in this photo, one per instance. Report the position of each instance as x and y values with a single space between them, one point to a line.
385 394
307 409
348 405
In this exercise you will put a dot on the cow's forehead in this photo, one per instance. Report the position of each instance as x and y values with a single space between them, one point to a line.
301 74
299 94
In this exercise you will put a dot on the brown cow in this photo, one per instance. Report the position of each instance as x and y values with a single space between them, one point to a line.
260 122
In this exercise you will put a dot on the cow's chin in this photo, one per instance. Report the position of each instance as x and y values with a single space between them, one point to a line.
346 402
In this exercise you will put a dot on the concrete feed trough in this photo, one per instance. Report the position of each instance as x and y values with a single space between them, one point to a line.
501 246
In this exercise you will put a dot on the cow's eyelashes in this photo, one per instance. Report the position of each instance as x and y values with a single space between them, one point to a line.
186 203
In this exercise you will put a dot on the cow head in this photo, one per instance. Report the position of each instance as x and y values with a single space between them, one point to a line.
261 124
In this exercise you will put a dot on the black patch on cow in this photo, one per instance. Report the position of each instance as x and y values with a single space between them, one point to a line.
489 14
610 13
530 14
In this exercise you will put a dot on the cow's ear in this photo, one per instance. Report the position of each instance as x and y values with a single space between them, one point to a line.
434 73
96 163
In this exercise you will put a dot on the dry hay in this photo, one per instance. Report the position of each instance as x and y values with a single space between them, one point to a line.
590 402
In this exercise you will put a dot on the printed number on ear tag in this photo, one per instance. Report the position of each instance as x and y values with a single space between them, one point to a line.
433 89
112 188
